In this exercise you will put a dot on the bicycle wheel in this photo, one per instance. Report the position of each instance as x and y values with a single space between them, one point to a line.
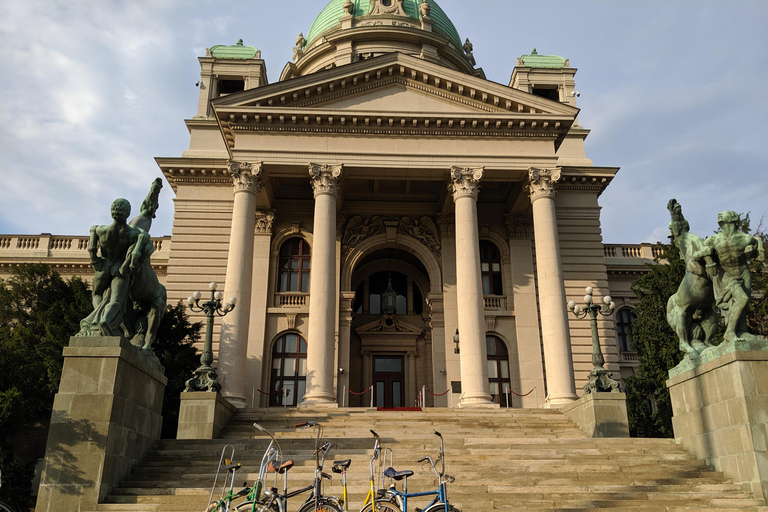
382 506
5 508
440 507
248 506
326 505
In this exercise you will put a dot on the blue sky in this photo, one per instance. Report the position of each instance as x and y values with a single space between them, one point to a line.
674 93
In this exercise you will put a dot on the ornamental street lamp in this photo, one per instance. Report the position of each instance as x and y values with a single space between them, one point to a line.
204 378
599 378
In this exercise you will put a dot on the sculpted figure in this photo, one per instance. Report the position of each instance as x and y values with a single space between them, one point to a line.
128 299
112 271
727 255
690 310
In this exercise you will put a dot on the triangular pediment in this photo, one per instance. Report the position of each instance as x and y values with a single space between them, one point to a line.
389 325
380 84
394 94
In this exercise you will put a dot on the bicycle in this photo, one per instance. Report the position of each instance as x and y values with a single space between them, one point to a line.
398 501
4 507
254 502
273 501
373 496
224 503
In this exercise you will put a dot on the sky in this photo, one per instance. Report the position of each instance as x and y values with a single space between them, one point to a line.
672 91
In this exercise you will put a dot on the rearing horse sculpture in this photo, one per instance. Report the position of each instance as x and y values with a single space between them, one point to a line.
148 295
690 311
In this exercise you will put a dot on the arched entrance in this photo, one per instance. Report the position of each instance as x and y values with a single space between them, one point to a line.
389 335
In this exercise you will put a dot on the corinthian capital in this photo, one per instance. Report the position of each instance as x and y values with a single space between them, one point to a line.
248 177
465 181
325 178
541 182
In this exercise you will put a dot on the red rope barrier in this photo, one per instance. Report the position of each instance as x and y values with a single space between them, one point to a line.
528 393
435 394
364 392
269 394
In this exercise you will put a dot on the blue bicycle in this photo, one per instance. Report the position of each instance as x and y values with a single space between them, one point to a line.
399 499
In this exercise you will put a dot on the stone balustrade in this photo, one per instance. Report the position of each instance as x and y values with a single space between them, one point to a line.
291 299
50 246
631 251
495 302
628 357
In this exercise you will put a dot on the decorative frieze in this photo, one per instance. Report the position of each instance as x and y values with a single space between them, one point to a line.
422 229
325 179
465 181
542 182
264 221
390 7
247 177
519 226
447 224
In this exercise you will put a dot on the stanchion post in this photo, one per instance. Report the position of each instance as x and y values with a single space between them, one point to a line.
506 392
344 396
423 395
371 388
451 395
253 397
536 396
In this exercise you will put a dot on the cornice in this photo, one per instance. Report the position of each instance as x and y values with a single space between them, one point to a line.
195 171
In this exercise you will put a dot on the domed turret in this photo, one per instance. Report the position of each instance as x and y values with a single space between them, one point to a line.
346 31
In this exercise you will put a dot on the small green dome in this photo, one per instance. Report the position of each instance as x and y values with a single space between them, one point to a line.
329 17
534 60
236 51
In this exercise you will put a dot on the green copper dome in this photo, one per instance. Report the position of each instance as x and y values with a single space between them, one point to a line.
534 60
236 51
329 17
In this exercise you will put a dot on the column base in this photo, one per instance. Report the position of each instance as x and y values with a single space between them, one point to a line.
477 402
556 402
236 400
326 400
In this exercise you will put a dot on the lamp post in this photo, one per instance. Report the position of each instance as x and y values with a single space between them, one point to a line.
204 378
599 378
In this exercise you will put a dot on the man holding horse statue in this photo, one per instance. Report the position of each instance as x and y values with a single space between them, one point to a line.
128 299
716 278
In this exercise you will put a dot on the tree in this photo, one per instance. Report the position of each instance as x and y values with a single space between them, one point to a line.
39 311
648 405
175 349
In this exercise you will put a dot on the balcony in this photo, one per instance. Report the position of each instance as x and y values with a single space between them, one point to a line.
495 302
291 299
634 251
629 357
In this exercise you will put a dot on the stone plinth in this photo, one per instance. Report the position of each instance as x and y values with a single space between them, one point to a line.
720 413
600 414
203 414
106 416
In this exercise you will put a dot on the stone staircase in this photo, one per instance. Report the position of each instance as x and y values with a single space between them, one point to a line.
509 460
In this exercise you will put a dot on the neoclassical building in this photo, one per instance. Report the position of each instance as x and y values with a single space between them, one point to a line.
390 220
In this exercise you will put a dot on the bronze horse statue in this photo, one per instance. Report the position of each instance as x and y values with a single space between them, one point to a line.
147 294
690 311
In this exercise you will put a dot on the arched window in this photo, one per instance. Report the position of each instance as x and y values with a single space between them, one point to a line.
294 266
289 371
490 266
498 369
624 318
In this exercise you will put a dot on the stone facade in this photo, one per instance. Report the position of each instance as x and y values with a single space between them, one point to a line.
474 201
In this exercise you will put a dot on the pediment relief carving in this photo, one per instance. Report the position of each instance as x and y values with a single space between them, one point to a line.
421 228
389 325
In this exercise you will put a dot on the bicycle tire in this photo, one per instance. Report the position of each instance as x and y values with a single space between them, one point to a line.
5 508
440 507
382 506
247 506
326 505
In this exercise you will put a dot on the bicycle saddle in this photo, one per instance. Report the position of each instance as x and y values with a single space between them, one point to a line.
228 465
397 475
339 465
282 468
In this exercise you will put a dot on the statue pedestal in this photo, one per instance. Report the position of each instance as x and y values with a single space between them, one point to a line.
720 410
203 414
106 416
600 414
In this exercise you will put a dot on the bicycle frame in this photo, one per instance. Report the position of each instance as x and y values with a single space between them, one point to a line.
441 494
371 496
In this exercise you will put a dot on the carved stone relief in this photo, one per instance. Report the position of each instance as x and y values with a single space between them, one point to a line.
518 225
422 229
264 221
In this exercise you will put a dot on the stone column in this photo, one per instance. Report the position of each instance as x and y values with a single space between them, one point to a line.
410 379
247 179
558 362
465 184
322 288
